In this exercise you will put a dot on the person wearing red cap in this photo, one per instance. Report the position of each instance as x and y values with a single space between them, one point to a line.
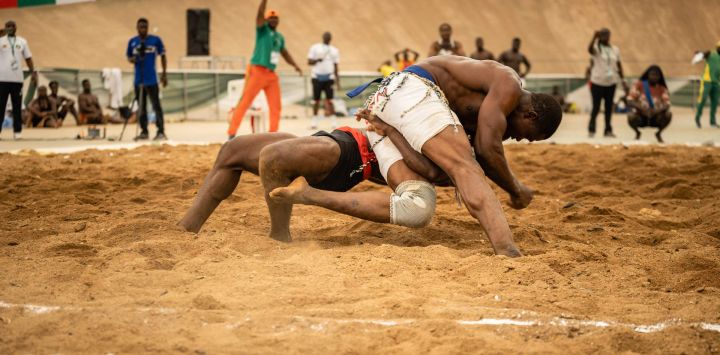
269 46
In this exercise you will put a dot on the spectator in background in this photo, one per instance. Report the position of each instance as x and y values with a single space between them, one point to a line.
90 110
710 85
64 105
480 52
42 111
143 51
650 102
446 45
269 46
514 59
606 72
324 59
405 61
386 68
13 50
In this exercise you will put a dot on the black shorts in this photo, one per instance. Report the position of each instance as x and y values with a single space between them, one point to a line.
341 177
37 119
323 86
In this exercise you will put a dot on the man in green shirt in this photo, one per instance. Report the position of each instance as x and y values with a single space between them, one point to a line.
269 46
710 85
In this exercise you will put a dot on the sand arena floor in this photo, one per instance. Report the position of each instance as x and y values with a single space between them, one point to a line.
622 245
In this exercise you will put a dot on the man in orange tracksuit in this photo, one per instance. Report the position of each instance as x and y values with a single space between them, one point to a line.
269 46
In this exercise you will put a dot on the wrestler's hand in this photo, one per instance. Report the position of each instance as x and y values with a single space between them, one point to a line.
522 198
376 124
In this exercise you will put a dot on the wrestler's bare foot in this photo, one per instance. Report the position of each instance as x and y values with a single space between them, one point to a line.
188 226
510 251
283 236
293 193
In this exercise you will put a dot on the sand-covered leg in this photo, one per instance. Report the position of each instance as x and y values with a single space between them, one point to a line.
238 155
369 205
451 152
280 164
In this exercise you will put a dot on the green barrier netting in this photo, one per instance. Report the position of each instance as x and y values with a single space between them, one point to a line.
190 90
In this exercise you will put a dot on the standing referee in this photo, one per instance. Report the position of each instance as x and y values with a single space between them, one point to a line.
13 49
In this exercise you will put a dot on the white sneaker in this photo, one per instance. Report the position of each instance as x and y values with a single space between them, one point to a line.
17 136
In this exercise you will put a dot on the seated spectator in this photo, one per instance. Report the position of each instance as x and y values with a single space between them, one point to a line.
650 103
64 104
90 110
42 111
405 61
386 68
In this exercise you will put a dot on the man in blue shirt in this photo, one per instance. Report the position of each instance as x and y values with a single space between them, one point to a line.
142 51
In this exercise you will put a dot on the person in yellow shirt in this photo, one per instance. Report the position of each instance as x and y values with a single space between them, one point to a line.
386 68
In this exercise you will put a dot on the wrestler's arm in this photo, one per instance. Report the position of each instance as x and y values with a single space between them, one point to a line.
492 124
414 160
503 94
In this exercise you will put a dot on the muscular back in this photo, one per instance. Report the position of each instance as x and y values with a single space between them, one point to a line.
467 95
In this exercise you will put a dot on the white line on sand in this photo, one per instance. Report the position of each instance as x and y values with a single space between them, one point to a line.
133 145
113 146
320 324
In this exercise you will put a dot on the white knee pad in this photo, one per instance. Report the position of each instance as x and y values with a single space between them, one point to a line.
413 204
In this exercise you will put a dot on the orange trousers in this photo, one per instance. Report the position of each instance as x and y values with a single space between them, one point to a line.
258 78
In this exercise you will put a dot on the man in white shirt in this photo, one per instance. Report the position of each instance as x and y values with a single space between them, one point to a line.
13 49
324 59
